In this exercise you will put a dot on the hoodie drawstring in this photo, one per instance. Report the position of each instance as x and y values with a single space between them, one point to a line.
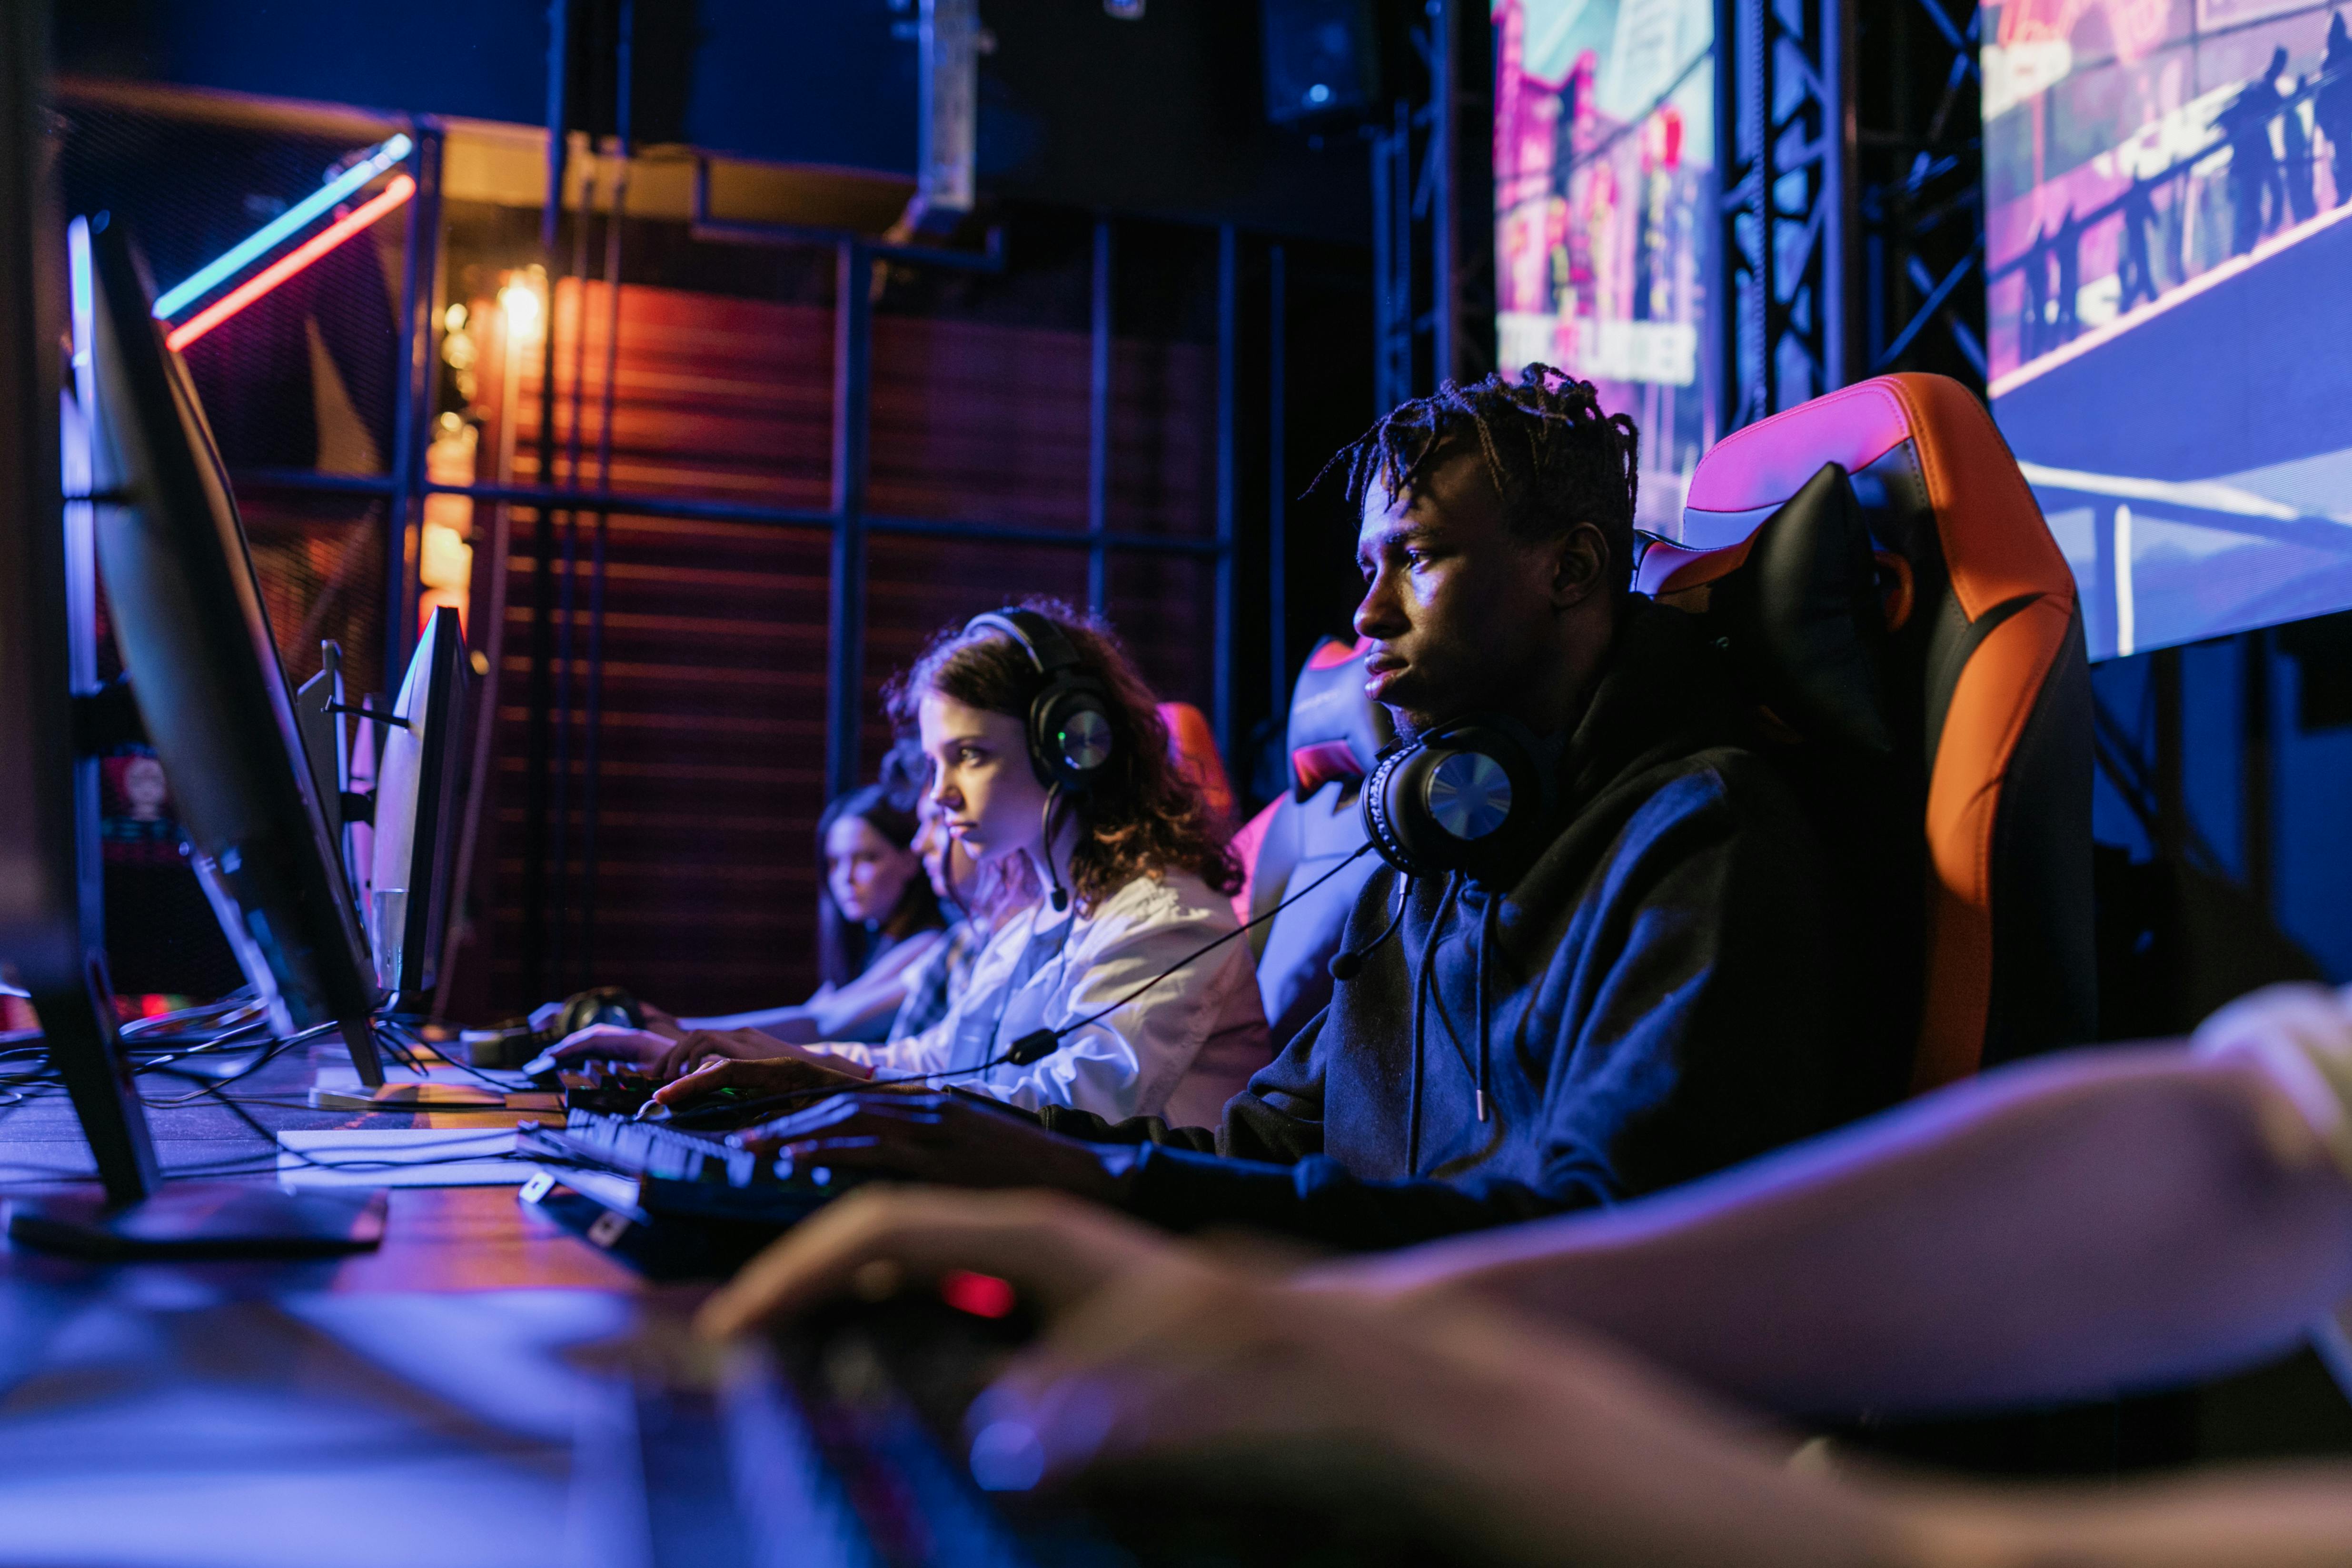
1486 937
1420 1003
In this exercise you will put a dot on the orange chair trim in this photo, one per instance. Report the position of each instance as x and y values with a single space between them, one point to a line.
1980 735
1970 474
1670 568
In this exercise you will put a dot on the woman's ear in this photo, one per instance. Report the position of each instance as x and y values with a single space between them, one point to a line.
1580 564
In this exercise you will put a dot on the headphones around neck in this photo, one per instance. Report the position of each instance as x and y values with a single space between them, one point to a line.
1464 797
1070 736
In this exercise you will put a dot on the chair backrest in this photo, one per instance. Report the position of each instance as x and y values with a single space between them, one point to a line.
1192 747
1987 693
1335 734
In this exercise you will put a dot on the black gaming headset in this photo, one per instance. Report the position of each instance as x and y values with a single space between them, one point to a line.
1461 798
1070 736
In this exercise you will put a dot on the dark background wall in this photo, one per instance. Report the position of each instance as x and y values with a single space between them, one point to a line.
1158 116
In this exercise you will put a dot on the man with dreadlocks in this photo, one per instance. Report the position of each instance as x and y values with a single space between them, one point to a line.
1649 992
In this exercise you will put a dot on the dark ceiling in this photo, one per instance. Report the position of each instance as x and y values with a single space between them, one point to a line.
1156 117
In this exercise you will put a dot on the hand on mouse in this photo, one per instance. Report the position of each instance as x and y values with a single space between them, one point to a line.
929 1135
613 1042
757 1064
1160 1359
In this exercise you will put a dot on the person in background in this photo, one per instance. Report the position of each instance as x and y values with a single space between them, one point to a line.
2331 107
878 917
1123 970
1587 1389
981 900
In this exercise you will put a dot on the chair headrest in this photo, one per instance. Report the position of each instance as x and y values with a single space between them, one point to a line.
1798 607
1192 747
1336 732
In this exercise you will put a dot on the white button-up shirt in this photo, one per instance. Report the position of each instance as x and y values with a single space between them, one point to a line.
1179 1050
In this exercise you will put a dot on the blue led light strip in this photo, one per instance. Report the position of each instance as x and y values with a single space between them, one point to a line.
221 268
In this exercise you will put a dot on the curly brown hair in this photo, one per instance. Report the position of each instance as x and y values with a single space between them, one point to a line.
1145 815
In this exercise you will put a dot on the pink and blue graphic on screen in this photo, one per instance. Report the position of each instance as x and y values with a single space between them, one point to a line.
2168 252
1604 172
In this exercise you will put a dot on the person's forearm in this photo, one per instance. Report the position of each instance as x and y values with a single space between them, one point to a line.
2052 1232
1585 1457
854 1008
2297 1519
1570 1453
758 1018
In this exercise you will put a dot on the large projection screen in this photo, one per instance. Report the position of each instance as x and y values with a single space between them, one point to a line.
2168 253
1604 181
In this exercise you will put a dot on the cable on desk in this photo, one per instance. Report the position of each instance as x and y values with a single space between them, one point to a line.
398 1025
276 1051
240 999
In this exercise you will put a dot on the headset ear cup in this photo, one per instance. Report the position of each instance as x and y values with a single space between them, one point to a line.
1462 799
1071 738
1379 812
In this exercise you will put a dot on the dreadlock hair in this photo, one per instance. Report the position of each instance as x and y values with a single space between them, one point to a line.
1148 815
1554 458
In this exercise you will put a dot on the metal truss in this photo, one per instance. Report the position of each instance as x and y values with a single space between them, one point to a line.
1786 149
1920 166
1406 174
1417 278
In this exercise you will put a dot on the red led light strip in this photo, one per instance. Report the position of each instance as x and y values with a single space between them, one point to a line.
293 261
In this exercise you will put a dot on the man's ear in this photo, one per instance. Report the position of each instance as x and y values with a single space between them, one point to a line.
1579 565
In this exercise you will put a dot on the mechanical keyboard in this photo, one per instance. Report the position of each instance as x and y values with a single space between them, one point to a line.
676 1205
648 1149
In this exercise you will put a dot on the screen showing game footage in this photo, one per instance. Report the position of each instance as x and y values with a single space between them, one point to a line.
1605 177
2168 264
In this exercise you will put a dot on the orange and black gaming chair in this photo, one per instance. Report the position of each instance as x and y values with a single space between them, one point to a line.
1985 691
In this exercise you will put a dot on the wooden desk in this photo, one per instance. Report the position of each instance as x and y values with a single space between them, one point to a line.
436 1238
438 1403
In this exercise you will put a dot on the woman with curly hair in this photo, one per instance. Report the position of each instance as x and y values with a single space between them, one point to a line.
1139 882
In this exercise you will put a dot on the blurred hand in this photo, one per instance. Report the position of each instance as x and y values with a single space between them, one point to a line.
931 1135
1152 1346
2300 1038
1159 1359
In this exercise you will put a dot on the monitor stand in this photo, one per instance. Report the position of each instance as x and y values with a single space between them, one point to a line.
423 1097
201 1220
132 1212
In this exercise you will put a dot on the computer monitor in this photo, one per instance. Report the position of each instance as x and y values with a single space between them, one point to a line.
196 646
419 782
51 932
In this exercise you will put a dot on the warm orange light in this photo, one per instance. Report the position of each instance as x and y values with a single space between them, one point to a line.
293 261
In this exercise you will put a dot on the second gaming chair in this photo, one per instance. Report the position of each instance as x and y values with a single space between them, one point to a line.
1335 734
1985 690
1192 747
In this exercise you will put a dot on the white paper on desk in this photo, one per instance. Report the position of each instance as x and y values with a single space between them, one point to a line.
399 1157
342 1075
